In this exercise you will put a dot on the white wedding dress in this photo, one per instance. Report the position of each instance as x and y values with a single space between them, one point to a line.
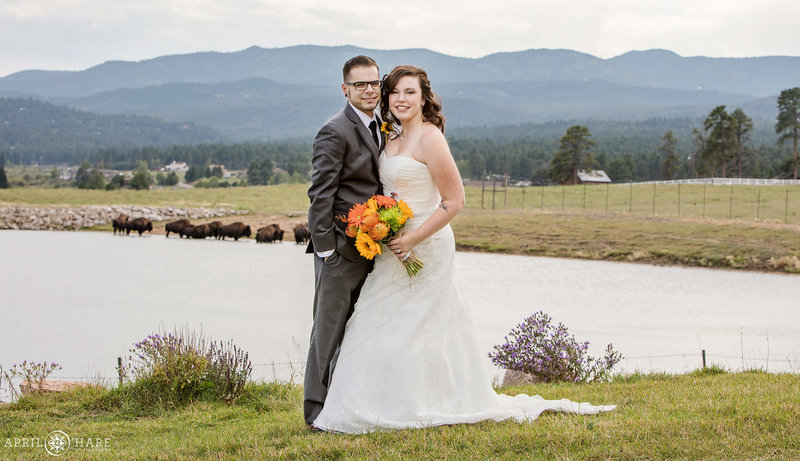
410 355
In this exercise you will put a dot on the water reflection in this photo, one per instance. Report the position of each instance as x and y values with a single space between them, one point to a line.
82 299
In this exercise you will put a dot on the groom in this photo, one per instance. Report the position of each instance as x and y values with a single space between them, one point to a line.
345 172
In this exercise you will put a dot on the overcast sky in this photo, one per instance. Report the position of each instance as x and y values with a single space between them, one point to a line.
77 34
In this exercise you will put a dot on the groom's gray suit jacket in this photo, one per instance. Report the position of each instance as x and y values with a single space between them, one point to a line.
345 162
345 172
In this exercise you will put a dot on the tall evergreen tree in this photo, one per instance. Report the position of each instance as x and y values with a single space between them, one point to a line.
720 139
742 127
3 178
193 173
670 160
96 180
573 155
696 162
82 175
789 121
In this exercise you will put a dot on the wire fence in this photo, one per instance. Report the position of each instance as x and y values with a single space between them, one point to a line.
711 198
292 371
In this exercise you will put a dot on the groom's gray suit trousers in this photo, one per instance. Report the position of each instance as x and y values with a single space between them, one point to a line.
337 284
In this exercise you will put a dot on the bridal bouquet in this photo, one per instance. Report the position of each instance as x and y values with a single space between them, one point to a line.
377 221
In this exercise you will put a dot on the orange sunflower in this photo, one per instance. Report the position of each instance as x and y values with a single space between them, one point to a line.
367 247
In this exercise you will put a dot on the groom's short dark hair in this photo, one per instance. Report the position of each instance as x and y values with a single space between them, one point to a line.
358 61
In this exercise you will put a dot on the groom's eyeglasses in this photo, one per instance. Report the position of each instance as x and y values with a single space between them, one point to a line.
361 86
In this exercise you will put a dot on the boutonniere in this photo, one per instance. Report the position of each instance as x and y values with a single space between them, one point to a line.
390 130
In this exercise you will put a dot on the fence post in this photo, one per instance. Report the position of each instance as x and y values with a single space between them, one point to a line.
786 210
119 369
730 210
704 200
483 188
630 200
758 206
704 358
505 192
584 199
523 197
542 207
654 199
494 189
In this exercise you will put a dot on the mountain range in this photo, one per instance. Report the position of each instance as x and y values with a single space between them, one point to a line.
280 93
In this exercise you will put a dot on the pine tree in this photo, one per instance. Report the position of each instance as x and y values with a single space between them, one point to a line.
789 121
720 139
573 155
3 178
670 160
742 127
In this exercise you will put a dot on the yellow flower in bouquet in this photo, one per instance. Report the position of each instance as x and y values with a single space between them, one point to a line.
367 247
377 221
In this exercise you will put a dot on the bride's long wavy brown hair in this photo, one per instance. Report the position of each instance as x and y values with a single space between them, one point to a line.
431 111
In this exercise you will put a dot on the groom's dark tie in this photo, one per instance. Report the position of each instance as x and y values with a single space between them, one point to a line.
373 128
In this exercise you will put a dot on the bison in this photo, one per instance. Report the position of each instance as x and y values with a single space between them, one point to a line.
176 226
139 224
118 223
301 233
214 226
270 233
234 230
196 232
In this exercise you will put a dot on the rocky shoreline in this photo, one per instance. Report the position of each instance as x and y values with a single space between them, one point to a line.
75 218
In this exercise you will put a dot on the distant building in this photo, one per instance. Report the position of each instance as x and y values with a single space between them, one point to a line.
67 174
212 166
590 177
176 167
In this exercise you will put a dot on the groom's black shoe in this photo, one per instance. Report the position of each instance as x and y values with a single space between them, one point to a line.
314 428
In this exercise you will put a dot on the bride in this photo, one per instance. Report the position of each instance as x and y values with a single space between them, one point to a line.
410 355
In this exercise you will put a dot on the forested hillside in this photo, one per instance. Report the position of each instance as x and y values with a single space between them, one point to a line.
34 131
628 151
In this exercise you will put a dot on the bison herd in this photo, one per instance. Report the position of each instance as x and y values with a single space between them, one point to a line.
215 229
123 224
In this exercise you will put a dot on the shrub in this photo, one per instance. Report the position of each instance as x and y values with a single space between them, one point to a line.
549 353
181 367
32 374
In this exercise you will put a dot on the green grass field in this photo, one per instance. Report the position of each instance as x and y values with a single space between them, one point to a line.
756 238
707 415
779 204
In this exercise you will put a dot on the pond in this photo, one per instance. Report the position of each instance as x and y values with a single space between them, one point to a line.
82 299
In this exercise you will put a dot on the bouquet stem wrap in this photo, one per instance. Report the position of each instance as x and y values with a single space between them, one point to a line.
412 264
